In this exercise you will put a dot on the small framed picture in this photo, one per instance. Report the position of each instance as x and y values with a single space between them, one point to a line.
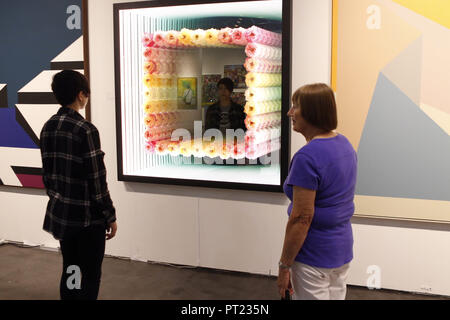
209 88
236 73
187 93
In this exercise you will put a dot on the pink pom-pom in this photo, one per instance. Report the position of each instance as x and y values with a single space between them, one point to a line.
147 40
158 37
238 37
250 49
255 34
225 35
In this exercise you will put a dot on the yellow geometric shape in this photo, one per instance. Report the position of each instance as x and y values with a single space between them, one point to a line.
402 208
441 118
435 10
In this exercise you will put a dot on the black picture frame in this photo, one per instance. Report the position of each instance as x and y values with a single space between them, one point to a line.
286 95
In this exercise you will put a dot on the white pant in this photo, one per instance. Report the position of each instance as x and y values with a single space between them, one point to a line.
311 283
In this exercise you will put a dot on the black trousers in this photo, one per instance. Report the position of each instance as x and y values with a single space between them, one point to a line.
82 250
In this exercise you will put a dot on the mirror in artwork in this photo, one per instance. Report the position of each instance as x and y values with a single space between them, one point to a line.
201 92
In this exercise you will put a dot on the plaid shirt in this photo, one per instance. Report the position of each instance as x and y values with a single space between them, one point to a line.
74 175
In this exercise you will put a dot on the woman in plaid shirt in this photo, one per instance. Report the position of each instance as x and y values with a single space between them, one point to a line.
80 213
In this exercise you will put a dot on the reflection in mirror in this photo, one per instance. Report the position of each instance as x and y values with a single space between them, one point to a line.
202 89
184 80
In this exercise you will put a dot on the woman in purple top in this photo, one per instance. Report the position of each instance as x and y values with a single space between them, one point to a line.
318 244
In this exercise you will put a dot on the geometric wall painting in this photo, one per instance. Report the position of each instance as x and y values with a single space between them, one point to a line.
12 158
29 177
409 156
405 70
12 134
391 61
435 10
35 121
48 40
432 19
3 96
440 117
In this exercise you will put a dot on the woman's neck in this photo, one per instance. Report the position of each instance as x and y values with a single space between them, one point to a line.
316 133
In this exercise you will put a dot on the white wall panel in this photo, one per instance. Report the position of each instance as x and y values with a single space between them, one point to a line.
237 235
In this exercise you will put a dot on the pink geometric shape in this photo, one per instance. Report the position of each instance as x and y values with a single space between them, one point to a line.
31 181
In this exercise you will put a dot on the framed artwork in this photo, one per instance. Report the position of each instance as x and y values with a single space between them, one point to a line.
174 51
52 36
209 88
236 73
187 93
397 113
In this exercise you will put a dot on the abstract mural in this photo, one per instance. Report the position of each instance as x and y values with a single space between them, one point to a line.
391 61
46 38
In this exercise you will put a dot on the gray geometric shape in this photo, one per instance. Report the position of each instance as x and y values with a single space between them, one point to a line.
405 71
402 152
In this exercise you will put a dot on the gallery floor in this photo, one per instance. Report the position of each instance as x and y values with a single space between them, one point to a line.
33 274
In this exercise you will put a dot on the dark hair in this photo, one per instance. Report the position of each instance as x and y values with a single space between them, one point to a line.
227 82
318 105
66 86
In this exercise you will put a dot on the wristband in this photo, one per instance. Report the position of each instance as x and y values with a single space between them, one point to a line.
283 266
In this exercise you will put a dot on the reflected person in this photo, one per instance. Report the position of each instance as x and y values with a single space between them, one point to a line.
225 114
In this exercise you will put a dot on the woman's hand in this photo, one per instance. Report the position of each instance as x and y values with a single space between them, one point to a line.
284 282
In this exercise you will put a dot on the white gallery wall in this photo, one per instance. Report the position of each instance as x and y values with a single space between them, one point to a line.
227 229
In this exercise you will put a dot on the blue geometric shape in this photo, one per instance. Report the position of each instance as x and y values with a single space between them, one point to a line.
402 152
11 133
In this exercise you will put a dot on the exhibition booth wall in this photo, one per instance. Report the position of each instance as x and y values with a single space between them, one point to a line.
225 229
